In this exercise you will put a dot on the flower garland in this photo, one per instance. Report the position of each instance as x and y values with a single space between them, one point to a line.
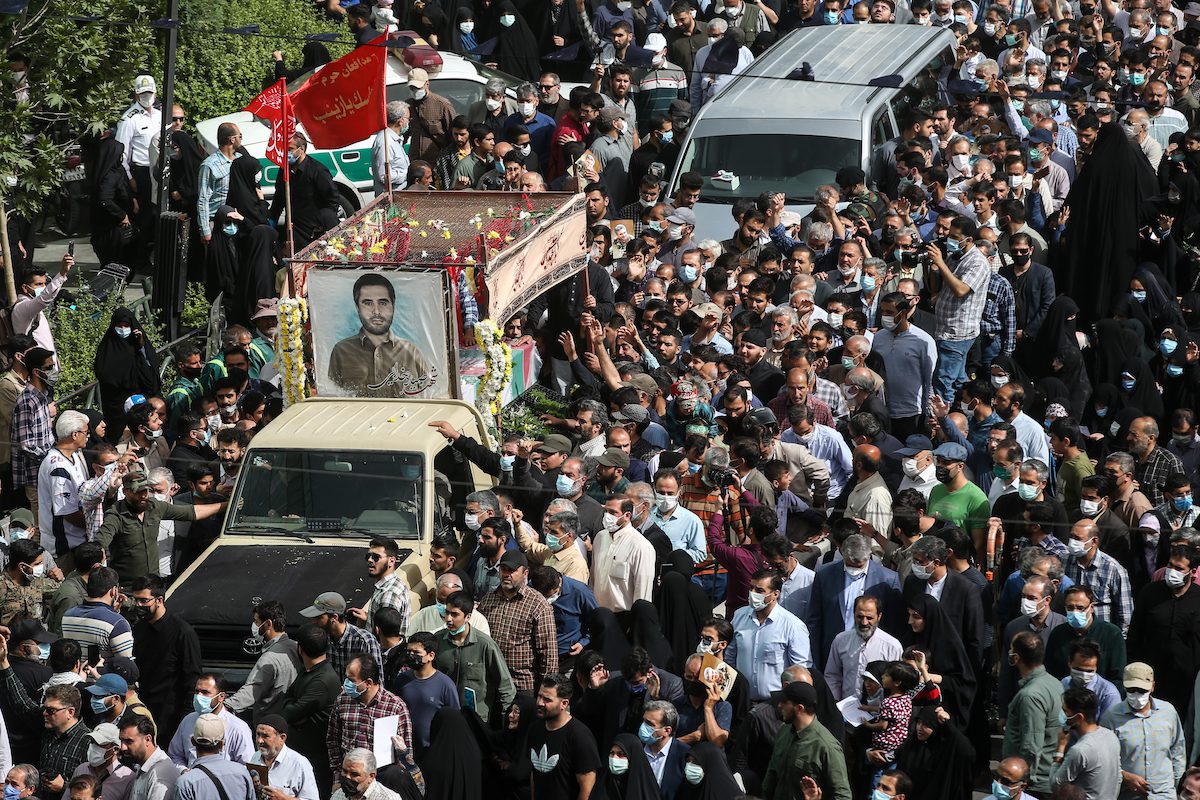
497 372
289 348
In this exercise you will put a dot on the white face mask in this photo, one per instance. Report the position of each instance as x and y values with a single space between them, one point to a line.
960 162
97 756
921 571
1174 578
466 27
419 94
666 503
1138 701
1029 607
491 104
471 521
611 523
909 465
758 601
146 99
1076 547
1083 677
526 110
1089 508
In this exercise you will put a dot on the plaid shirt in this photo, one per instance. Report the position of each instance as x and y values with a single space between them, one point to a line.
1150 474
523 628
958 317
1109 581
696 496
61 753
829 394
354 641
352 724
391 591
443 168
1000 313
1050 543
31 434
91 495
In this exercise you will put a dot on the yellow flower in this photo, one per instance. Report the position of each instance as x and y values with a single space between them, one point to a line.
445 233
423 234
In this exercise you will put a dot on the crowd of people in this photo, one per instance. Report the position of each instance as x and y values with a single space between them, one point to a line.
839 497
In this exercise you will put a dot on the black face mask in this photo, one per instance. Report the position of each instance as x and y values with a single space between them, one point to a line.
414 661
942 474
1022 259
349 787
695 688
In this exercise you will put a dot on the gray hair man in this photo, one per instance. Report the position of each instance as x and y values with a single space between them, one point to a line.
389 162
61 475
357 779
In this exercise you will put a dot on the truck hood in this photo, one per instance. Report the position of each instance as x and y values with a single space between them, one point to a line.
218 596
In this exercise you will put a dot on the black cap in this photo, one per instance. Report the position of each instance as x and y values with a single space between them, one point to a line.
514 559
798 692
755 336
28 629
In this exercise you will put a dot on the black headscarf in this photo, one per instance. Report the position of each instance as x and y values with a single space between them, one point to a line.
454 40
1057 331
451 763
1105 396
222 266
638 782
1190 309
1108 206
945 655
1011 368
718 782
315 54
517 49
123 366
256 275
108 155
683 608
1116 341
607 638
244 175
1145 394
942 764
185 171
1075 378
1160 298
646 631
1175 374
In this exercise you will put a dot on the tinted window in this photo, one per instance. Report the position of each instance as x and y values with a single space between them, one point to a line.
791 163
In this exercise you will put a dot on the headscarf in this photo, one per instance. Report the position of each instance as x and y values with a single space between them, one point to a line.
450 765
315 54
1057 332
1074 376
945 655
109 154
244 175
121 365
607 638
942 764
1145 394
1190 310
1011 368
517 48
222 267
512 744
95 418
185 170
638 782
1116 341
683 608
717 783
256 276
460 42
1177 389
646 631
1160 297
1104 396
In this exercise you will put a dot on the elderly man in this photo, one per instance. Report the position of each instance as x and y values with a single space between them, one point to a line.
356 780
838 584
389 161
289 774
870 499
1088 565
1153 751
432 618
1154 464
853 649
209 767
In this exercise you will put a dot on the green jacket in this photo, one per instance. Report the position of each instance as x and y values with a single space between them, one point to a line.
813 752
132 543
1033 725
182 398
71 593
477 664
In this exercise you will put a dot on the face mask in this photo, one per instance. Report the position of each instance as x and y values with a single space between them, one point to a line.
123 331
97 755
553 542
1028 607
441 609
44 650
146 99
909 465
888 322
704 648
292 159
694 773
1127 386
1083 677
646 734
564 486
618 765
506 463
471 521
419 94
1174 370
1138 701
1076 547
847 363
37 291
868 283
491 104
1019 105
1137 79
467 27
611 523
942 474
1089 508
230 229
624 5
1077 619
1174 578
835 319
953 246
202 704
1167 346
349 787
11 792
51 375
758 601
1182 504
830 18
507 20
99 708
39 570
153 434
666 503
1000 791
989 28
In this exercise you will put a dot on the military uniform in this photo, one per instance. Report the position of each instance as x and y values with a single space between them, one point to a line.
31 600
181 398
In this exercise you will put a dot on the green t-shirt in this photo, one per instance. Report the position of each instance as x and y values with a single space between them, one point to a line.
967 508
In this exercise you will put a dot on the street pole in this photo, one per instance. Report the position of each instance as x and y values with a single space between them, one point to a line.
168 99
10 283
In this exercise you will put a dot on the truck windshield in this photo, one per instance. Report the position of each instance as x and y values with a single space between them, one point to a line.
794 164
326 491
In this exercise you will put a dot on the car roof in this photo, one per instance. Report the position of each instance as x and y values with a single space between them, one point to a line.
325 423
839 55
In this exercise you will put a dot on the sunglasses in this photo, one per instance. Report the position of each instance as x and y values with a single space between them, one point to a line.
177 119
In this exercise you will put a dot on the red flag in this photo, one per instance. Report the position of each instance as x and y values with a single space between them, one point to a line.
275 106
344 102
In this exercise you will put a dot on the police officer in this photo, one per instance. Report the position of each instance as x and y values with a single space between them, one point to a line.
140 123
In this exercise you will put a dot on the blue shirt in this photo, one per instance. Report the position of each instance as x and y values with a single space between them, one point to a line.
685 530
762 651
1106 693
826 444
854 587
425 698
572 609
691 719
910 357
718 341
541 131
213 189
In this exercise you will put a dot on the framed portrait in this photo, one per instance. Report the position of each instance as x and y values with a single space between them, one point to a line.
382 332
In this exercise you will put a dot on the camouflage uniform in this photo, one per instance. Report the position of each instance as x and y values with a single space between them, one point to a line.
32 599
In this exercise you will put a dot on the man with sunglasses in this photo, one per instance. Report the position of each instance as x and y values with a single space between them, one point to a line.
1010 779
383 565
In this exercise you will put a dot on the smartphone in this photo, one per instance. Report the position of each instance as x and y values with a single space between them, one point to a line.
71 248
93 655
1043 172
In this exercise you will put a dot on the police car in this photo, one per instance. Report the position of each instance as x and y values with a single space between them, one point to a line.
459 80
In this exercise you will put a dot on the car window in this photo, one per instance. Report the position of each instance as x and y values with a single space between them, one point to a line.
461 92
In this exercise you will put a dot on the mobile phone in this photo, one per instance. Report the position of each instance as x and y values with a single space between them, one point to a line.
1043 172
93 657
71 248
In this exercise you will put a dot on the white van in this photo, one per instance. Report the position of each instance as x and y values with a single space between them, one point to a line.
776 132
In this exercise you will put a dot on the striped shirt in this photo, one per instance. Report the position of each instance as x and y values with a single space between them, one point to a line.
1109 581
213 189
96 623
1152 746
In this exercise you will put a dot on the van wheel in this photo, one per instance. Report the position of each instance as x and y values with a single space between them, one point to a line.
347 206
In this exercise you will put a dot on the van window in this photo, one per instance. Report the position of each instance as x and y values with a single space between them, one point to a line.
329 492
795 164
461 92
882 129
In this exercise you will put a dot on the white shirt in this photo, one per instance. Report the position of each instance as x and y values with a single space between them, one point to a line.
999 488
622 568
166 540
291 772
849 656
871 500
58 483
135 130
924 483
935 589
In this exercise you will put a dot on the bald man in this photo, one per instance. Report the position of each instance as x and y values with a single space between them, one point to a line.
870 500
1090 566
1012 778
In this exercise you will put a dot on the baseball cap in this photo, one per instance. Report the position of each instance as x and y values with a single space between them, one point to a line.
951 451
513 559
762 415
136 481
134 400
108 685
105 734
680 108
266 308
1040 136
683 216
915 444
643 383
755 336
33 629
632 413
20 518
797 692
708 310
656 42
614 457
418 78
143 84
326 603
209 730
609 114
556 443
1139 675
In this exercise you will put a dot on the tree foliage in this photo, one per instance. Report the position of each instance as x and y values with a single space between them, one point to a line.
221 73
80 78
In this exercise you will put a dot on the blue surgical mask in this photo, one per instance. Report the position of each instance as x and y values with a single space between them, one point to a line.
646 734
1138 297
1182 504
867 282
565 486
999 791
694 773
507 20
506 463
688 273
1128 385
1174 370
123 331
667 137
351 690
1102 412
457 631
441 609
1167 346
202 704
1137 78
636 688
99 708
230 229
44 650
292 158
1077 619
693 469
553 542
11 792
830 17
953 246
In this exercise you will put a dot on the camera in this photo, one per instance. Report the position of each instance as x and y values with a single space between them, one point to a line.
722 477
910 258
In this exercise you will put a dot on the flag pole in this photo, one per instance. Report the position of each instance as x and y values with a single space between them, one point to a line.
287 199
387 153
